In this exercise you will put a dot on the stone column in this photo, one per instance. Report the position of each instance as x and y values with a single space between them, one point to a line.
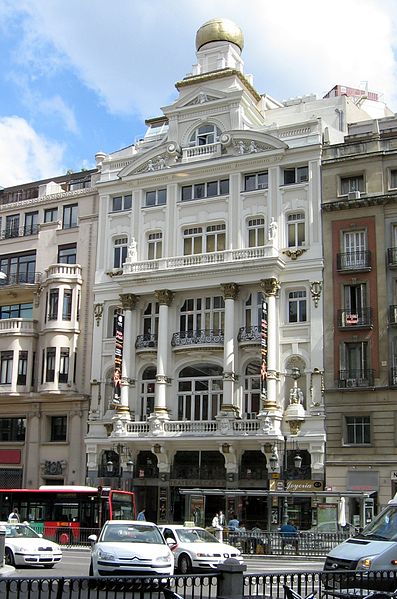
270 288
230 292
164 298
128 303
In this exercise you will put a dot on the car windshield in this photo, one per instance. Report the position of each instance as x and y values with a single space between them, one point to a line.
20 531
131 533
384 527
195 535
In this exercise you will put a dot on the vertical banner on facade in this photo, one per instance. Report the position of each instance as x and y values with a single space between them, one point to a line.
264 349
118 358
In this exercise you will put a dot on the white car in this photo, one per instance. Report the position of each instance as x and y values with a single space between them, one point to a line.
25 547
197 549
129 547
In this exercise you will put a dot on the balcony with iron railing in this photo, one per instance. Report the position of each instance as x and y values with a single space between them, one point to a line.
21 278
196 338
357 378
12 232
249 334
353 261
354 319
147 341
392 257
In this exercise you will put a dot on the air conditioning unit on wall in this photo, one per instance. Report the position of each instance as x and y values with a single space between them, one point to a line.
354 195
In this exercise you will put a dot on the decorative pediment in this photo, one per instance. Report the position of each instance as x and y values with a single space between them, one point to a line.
198 98
239 142
157 159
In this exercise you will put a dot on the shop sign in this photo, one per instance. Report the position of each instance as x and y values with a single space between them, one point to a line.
304 485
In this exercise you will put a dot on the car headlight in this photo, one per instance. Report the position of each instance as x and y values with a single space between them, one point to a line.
21 549
109 557
164 558
365 563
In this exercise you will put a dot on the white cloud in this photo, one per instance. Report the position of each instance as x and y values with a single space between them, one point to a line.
132 53
24 155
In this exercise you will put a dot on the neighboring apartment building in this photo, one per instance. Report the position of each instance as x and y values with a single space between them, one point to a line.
360 228
217 208
48 235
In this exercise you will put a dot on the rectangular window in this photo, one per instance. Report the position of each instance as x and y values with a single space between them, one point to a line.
64 365
67 254
256 232
79 184
155 245
393 178
6 358
255 181
199 191
296 229
349 184
16 311
297 306
156 197
215 238
31 223
53 299
12 226
70 216
67 305
50 365
358 430
120 203
22 367
120 252
12 429
298 174
50 215
19 268
58 428
193 241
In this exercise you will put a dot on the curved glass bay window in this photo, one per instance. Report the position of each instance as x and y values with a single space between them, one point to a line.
200 392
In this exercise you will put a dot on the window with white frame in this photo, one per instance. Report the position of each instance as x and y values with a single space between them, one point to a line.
199 314
358 430
253 311
296 229
354 249
202 240
205 134
120 249
349 184
120 203
255 181
64 365
355 362
297 306
256 232
298 174
200 392
6 358
155 245
151 319
67 304
156 197
252 389
12 226
210 189
148 389
53 302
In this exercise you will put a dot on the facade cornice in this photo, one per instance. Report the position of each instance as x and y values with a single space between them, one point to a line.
363 202
63 195
221 74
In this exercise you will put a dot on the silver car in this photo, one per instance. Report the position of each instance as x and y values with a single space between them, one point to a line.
129 547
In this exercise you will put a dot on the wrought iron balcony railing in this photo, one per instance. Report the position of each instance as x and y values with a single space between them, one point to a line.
360 317
351 379
249 334
146 341
201 337
21 278
11 232
352 261
392 256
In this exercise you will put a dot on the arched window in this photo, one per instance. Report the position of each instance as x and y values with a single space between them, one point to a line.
148 388
204 135
200 392
252 394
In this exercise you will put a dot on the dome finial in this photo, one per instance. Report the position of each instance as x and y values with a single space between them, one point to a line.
219 30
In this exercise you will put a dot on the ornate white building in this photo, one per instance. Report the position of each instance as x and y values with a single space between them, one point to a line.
217 208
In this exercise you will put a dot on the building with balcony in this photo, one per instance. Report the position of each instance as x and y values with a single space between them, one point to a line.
215 211
48 241
359 228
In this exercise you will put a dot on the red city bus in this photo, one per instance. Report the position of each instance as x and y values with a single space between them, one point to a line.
67 514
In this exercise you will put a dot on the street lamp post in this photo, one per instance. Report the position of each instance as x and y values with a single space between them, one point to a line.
283 471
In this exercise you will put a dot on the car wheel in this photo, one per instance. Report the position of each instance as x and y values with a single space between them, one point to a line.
91 570
49 566
9 557
184 564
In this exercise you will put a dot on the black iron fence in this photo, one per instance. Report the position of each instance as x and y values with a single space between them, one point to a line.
229 582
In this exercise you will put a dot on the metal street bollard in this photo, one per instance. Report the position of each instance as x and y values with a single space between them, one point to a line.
2 545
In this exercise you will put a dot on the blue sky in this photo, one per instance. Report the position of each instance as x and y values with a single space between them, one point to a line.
79 77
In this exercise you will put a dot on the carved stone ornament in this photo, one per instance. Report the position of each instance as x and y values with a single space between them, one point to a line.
98 311
249 147
164 296
230 290
315 289
294 254
128 300
270 286
157 163
53 467
224 426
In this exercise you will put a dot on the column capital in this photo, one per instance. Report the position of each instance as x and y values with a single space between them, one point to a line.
164 296
270 286
230 290
128 300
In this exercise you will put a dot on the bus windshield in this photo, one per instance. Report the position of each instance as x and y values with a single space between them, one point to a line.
121 506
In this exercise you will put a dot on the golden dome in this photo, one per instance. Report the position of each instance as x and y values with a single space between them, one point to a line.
219 30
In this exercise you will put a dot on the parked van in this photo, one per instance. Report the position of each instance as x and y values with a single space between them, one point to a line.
374 548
